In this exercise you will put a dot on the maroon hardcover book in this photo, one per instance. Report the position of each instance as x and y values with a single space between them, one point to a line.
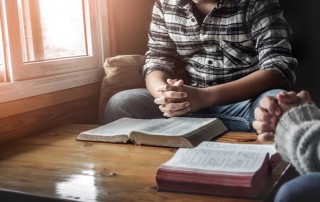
240 170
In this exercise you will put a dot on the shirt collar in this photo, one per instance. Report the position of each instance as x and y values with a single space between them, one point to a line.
183 3
220 3
186 3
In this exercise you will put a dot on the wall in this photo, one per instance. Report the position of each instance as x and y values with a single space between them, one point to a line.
129 24
30 115
304 19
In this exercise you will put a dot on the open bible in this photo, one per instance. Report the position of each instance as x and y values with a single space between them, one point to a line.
171 132
240 170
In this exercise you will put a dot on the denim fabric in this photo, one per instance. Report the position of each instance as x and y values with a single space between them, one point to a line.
303 188
133 103
138 103
238 116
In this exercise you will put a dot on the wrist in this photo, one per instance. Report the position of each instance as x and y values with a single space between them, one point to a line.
206 96
154 80
211 96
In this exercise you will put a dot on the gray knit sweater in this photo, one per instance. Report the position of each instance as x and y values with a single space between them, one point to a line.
298 138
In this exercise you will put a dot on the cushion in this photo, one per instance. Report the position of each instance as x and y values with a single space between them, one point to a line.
123 72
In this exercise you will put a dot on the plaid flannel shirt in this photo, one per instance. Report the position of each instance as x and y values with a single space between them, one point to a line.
235 39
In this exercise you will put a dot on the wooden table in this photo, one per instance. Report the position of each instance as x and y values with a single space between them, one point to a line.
53 166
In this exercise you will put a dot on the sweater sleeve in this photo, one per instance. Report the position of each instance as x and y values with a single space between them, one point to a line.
298 138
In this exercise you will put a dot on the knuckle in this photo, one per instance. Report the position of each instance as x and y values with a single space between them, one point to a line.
257 111
171 94
265 116
304 94
265 126
171 107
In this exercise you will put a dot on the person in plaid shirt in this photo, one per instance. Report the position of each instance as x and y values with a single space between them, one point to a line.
235 53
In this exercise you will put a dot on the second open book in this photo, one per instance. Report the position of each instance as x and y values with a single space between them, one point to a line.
219 168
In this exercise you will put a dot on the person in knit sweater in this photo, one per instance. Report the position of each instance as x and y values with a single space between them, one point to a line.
293 122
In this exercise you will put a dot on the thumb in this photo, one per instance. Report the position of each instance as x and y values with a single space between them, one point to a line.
179 82
171 81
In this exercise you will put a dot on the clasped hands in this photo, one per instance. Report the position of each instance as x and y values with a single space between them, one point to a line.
271 109
177 99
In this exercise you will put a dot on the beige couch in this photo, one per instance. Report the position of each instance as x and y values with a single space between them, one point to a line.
123 72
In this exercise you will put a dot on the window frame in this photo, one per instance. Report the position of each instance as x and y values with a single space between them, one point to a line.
41 77
3 75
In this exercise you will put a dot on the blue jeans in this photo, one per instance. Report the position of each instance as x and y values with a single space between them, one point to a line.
303 188
138 103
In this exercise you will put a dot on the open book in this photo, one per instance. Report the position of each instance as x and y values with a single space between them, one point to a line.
240 170
172 132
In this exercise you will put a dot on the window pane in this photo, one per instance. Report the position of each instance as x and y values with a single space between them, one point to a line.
2 67
52 29
1 54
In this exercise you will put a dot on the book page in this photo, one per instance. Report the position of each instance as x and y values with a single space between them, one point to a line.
119 127
208 160
176 126
265 148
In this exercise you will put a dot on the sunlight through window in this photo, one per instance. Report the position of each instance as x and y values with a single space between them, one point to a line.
70 187
52 29
59 43
1 54
2 67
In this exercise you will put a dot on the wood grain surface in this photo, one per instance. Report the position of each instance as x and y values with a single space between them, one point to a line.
52 165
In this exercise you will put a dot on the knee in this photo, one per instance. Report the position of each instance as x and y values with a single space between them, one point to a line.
271 93
121 101
286 193
120 105
303 188
134 103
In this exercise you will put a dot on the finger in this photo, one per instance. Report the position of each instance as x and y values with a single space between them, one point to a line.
289 98
261 114
166 100
179 83
267 136
177 106
175 82
270 105
165 88
262 127
174 94
172 107
305 97
177 113
171 81
163 108
161 100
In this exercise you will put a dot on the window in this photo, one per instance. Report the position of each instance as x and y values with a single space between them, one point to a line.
52 29
59 40
2 67
2 62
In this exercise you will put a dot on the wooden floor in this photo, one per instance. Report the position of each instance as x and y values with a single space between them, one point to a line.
53 166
